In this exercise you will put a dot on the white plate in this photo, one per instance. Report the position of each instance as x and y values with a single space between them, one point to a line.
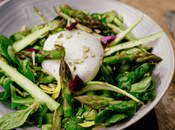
16 13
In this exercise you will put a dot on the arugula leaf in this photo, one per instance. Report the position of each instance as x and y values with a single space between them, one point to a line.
17 118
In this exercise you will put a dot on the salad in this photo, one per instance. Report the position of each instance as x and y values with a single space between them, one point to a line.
79 71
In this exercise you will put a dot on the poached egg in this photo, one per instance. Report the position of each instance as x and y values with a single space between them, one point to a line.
84 54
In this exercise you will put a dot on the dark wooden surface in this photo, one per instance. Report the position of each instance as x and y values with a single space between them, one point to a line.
163 114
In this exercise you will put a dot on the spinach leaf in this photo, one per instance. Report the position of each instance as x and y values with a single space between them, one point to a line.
124 80
107 73
16 36
151 87
17 118
144 96
142 70
6 85
142 85
11 53
107 94
102 116
17 100
38 115
126 107
24 68
7 51
72 124
4 43
47 79
2 78
114 118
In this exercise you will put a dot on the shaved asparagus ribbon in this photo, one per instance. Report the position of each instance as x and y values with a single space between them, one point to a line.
97 85
136 42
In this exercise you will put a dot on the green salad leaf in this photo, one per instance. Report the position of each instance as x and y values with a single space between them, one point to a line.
17 118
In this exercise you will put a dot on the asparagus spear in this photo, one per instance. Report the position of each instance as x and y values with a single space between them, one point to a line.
117 30
89 113
122 35
94 101
28 85
112 49
122 26
57 117
29 39
82 18
67 17
66 78
129 36
113 17
57 53
139 57
40 15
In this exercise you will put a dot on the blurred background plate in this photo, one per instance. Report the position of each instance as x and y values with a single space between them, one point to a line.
17 13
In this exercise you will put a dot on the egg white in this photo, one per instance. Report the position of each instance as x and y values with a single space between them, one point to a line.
89 67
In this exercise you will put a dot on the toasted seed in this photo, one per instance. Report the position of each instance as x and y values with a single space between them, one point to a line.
70 63
104 16
85 56
19 92
60 36
85 48
99 17
44 71
92 54
23 28
59 42
74 68
97 30
77 61
58 60
106 49
69 36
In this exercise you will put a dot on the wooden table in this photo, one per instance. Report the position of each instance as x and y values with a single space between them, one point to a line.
165 109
